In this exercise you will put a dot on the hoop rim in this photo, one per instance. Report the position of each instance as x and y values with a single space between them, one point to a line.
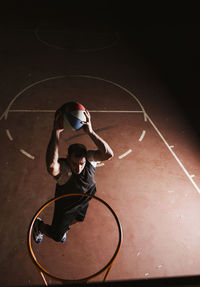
84 279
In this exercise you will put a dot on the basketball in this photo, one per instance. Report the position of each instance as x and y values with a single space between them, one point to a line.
71 115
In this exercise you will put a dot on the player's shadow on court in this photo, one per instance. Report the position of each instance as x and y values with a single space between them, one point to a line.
83 134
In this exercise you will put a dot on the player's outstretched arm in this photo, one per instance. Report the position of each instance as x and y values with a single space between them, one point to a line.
104 151
52 153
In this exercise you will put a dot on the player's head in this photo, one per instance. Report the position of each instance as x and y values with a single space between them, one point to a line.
77 157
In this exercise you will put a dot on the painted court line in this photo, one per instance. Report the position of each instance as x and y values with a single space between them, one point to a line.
53 111
91 111
125 154
27 154
113 43
32 111
142 135
116 111
174 155
146 117
46 43
5 114
117 85
9 135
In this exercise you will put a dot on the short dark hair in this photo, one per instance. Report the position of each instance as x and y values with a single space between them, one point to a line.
78 150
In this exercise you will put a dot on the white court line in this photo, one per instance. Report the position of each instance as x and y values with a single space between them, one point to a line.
91 111
27 154
9 135
174 155
46 43
142 135
32 111
103 111
79 50
117 85
125 154
5 113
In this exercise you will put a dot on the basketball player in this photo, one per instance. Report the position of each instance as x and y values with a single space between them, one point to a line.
73 174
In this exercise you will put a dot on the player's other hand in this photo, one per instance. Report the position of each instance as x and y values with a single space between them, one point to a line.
58 121
87 125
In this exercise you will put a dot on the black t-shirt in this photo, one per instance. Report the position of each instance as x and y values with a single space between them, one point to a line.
83 183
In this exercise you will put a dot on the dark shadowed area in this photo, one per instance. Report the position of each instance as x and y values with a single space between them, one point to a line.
135 66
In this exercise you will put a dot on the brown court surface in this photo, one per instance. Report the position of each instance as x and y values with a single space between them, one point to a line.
152 183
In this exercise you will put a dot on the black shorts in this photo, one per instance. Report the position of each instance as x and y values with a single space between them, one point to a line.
62 219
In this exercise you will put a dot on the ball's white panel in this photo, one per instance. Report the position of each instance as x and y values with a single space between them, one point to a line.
79 114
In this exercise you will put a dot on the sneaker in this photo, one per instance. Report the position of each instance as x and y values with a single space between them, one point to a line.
37 234
64 238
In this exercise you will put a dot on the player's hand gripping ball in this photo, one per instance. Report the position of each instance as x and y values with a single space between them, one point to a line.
70 116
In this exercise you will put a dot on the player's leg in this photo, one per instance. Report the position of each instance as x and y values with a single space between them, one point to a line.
37 233
58 228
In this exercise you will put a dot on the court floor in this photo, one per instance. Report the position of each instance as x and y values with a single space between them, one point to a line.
152 183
